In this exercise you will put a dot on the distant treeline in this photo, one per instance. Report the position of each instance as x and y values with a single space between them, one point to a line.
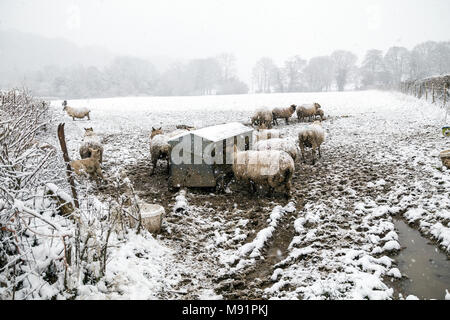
130 76
340 70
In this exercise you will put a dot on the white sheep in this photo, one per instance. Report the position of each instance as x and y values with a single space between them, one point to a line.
263 117
265 134
284 113
307 110
311 136
320 113
90 166
160 147
287 145
271 168
79 113
90 141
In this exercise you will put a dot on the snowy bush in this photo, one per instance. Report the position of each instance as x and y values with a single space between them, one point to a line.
48 246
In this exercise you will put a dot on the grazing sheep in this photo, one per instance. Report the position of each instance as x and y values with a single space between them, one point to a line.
160 147
306 110
270 167
287 145
266 134
90 141
78 113
285 113
311 137
91 165
263 118
320 113
185 127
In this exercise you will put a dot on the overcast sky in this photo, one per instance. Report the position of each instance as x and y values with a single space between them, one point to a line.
249 29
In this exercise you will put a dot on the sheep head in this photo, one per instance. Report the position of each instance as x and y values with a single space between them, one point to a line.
95 153
293 107
156 132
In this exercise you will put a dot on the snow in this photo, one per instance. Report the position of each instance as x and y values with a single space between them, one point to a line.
221 132
382 151
253 249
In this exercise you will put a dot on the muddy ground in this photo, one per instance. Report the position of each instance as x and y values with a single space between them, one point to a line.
370 160
343 173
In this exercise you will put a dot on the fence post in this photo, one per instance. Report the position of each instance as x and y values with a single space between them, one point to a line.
432 89
445 94
62 142
426 92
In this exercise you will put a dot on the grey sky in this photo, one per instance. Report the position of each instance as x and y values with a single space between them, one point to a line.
249 29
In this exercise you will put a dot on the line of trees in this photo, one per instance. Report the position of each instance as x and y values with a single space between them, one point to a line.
128 76
339 70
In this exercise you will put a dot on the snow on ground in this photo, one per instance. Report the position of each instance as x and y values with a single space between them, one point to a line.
333 241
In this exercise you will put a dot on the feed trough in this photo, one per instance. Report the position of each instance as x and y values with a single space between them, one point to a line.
202 157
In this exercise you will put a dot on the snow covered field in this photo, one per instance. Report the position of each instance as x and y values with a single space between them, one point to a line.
334 239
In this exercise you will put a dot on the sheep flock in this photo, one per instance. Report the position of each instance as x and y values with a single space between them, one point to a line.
270 162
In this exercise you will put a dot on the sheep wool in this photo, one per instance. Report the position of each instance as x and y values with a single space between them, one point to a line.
270 167
266 134
287 145
90 141
307 111
283 113
311 137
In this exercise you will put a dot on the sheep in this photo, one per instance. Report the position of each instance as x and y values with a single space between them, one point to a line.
285 113
263 118
306 110
320 113
90 140
78 113
90 165
311 137
269 167
160 147
287 145
266 134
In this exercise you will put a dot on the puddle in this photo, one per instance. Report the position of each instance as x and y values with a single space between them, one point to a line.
427 268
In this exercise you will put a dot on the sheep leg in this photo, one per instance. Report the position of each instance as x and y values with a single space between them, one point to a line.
287 120
252 187
302 148
153 166
271 191
320 156
313 151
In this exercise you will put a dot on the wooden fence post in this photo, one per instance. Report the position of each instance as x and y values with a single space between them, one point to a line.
426 92
62 142
445 94
432 89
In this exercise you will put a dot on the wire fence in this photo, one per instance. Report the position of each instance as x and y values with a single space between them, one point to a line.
434 92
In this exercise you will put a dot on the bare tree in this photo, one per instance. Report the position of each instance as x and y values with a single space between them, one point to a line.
344 62
293 68
372 68
319 73
396 61
264 73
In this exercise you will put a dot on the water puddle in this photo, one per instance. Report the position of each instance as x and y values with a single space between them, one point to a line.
427 268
